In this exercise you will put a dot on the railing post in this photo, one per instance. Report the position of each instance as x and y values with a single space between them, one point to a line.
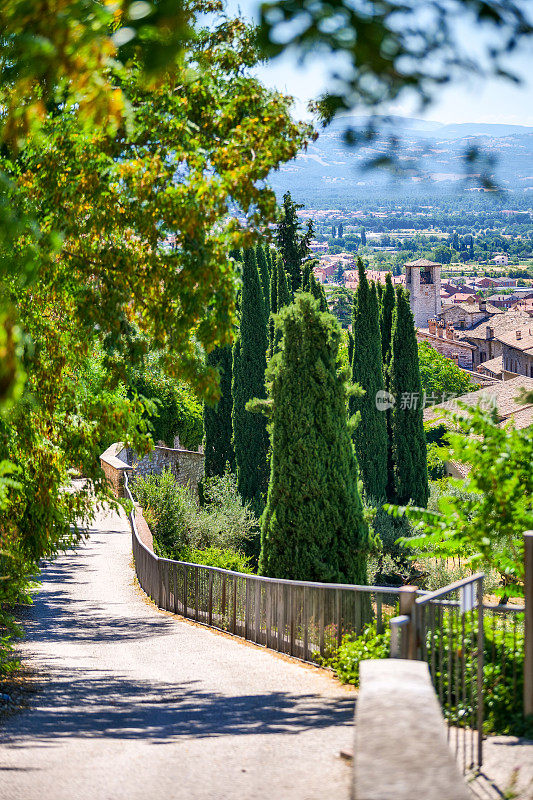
528 643
407 606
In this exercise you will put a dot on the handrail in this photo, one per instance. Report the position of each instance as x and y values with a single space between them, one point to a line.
428 598
264 578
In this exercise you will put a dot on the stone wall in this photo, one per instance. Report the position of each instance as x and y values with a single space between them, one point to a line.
114 463
515 360
187 466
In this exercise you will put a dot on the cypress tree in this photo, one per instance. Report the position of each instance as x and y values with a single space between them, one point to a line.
284 291
273 307
264 274
218 445
388 301
350 348
407 429
288 240
385 318
250 439
317 290
370 435
313 526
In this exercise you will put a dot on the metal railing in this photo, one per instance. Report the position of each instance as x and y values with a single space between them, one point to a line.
300 618
445 628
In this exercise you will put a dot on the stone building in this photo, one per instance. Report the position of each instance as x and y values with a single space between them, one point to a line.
467 315
517 351
422 280
486 337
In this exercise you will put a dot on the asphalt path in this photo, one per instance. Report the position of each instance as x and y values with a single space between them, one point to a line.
136 703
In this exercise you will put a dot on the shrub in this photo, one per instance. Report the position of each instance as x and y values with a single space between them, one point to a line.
224 558
436 466
178 524
356 648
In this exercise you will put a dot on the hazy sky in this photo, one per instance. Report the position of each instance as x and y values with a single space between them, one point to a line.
494 101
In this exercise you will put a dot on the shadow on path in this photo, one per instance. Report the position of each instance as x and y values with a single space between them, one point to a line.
99 705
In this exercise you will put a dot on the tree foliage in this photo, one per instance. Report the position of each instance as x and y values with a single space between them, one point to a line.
250 439
485 522
218 442
440 376
370 435
312 526
292 243
395 51
116 189
407 426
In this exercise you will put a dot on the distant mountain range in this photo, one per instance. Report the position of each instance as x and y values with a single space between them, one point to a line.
431 157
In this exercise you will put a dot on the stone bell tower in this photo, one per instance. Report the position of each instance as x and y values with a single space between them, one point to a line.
422 281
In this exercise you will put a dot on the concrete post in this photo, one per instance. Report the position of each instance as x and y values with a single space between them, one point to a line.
407 606
528 644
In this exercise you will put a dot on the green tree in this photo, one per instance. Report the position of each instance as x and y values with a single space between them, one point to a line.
317 290
363 237
177 411
218 441
284 289
484 522
340 301
273 307
385 318
293 245
250 439
313 526
118 190
340 231
442 254
264 273
407 425
439 375
370 435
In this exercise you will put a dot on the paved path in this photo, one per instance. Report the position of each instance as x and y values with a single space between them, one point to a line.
137 704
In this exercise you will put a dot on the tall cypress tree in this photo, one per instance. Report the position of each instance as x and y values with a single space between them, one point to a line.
289 240
250 439
370 435
313 526
388 301
407 428
218 446
317 290
385 318
273 307
350 348
284 290
264 274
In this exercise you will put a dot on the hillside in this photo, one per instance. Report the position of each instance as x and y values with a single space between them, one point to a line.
431 154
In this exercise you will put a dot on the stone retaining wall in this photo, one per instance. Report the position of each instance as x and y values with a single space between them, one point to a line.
187 466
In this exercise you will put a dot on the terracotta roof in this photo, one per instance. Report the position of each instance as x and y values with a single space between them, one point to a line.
422 262
493 365
525 343
501 395
508 321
